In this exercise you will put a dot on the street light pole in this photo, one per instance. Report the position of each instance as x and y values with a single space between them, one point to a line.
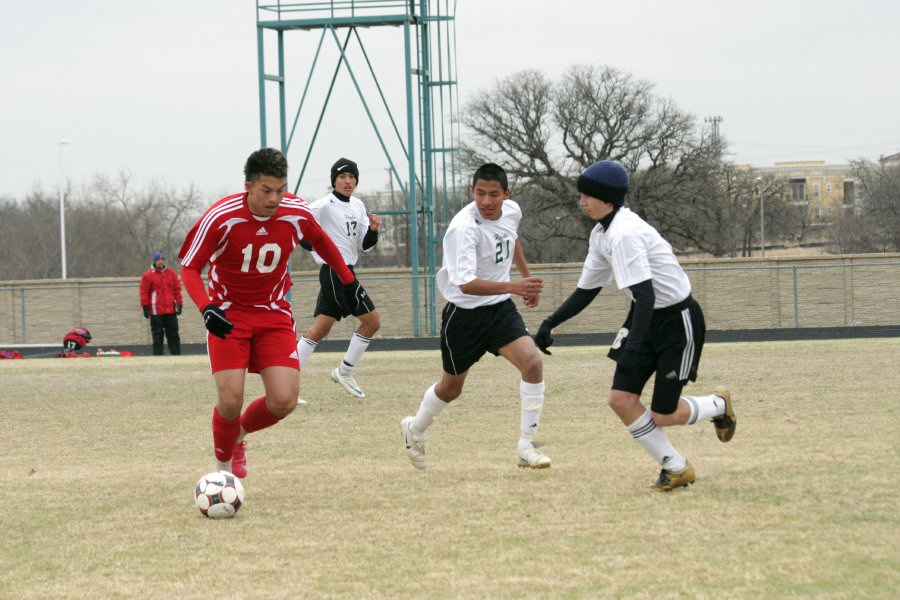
762 218
62 209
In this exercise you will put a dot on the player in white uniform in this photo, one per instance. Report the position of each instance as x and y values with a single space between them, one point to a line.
344 218
664 330
480 245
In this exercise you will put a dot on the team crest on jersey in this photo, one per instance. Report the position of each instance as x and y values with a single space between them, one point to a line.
262 231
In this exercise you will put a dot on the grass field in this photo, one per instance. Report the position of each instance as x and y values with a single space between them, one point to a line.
99 458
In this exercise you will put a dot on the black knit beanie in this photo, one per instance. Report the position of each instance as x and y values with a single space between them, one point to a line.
343 165
606 180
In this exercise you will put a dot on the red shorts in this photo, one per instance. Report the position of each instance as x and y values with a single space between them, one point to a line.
260 339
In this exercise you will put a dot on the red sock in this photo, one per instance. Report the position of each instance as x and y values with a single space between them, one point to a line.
225 434
257 416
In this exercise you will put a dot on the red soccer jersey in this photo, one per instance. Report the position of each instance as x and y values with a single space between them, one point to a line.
248 255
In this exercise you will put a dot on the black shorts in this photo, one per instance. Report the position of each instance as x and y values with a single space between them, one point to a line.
466 334
331 301
672 350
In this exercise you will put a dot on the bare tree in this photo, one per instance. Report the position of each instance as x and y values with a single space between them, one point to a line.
875 227
604 113
746 194
512 123
689 197
113 227
29 237
151 218
853 234
546 133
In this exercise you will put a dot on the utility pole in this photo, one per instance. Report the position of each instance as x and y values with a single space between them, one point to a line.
715 120
390 173
62 209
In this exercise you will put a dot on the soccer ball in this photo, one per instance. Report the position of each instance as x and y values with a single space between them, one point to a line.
219 495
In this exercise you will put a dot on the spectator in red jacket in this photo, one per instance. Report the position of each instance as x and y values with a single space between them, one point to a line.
161 301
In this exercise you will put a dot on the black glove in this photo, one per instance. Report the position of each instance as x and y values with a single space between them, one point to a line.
215 321
146 312
542 338
177 309
354 293
627 363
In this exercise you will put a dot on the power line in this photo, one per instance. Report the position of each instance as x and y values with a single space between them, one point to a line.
794 127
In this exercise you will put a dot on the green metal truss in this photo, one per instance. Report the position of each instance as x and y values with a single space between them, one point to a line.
431 185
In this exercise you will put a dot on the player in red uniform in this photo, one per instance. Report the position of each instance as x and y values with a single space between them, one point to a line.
246 239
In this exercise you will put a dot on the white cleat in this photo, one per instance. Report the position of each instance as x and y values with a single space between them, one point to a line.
532 458
415 445
348 383
301 402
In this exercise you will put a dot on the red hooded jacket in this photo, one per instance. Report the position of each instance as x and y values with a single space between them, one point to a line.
161 291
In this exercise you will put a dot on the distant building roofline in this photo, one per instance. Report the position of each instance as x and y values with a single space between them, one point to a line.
797 163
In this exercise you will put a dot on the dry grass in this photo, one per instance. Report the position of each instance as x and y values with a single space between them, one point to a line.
99 459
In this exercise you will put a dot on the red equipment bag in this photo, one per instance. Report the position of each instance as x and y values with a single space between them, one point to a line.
77 339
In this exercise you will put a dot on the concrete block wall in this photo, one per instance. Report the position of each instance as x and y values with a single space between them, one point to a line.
829 291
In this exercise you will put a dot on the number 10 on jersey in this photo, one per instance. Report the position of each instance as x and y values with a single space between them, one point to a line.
266 259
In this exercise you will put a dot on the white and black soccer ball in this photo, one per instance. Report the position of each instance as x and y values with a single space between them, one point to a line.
219 495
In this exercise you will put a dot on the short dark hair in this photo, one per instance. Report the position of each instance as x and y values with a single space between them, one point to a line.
265 161
491 172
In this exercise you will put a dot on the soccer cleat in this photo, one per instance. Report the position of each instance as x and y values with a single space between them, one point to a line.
415 445
727 423
239 460
669 480
348 383
301 402
532 458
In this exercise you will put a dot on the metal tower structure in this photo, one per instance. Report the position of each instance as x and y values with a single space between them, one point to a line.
424 158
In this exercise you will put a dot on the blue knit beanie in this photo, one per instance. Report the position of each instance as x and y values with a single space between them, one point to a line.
606 180
159 255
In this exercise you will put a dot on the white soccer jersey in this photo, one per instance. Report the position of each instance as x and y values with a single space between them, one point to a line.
632 251
346 223
476 248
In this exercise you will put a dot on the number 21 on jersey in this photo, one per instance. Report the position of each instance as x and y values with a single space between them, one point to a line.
502 251
266 259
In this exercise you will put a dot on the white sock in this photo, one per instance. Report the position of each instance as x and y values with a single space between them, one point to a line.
653 439
532 396
305 349
358 345
704 408
429 410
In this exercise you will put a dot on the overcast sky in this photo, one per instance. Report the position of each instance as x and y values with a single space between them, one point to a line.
168 89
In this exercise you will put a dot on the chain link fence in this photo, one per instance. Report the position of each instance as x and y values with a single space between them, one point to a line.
738 294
